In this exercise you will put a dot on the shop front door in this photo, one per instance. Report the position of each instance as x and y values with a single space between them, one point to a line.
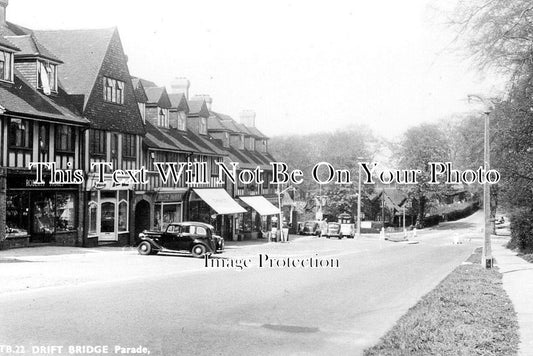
108 230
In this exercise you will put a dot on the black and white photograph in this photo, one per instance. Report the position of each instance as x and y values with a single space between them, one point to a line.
280 177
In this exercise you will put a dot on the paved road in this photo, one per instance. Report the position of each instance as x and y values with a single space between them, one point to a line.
226 311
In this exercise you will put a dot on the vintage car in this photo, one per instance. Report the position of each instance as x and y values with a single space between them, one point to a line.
333 230
195 237
347 225
313 227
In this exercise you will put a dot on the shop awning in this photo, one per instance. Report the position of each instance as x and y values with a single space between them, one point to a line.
220 201
261 205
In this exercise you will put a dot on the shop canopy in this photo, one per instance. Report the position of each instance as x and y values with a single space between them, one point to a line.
220 201
261 205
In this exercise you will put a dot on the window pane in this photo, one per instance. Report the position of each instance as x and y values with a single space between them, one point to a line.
65 213
108 217
123 216
17 212
43 213
93 208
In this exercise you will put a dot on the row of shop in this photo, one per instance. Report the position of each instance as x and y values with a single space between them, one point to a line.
60 214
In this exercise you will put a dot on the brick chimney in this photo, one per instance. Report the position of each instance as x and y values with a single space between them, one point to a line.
247 118
180 86
206 97
3 6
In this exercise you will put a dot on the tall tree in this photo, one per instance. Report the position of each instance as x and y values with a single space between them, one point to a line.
422 144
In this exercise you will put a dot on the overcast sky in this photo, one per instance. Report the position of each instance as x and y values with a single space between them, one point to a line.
302 66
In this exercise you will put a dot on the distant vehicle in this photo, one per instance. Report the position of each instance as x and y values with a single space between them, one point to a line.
195 237
313 227
347 226
333 230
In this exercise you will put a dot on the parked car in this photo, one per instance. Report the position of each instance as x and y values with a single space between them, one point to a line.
195 237
333 230
313 227
347 225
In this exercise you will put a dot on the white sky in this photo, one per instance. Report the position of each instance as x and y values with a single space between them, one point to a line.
302 66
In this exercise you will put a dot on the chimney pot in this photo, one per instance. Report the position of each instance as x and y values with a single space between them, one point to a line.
3 6
179 86
205 97
247 118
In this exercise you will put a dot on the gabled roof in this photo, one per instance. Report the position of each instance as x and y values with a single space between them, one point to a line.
244 129
161 138
8 44
179 102
198 108
214 124
11 29
201 144
30 47
21 98
147 83
82 51
158 96
138 88
256 132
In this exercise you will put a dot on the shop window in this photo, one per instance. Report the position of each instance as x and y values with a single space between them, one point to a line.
65 138
20 133
97 142
167 213
123 216
6 66
65 212
53 212
17 213
93 216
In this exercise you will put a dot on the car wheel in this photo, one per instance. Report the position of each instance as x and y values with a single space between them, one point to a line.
145 248
198 250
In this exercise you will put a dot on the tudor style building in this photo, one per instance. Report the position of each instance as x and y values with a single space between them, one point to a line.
38 124
96 77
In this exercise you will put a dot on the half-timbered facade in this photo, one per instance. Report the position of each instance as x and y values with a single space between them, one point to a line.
38 125
97 78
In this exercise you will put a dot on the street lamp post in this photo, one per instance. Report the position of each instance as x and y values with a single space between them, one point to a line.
280 222
359 201
486 256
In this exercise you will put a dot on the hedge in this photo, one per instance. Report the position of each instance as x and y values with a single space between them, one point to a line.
522 230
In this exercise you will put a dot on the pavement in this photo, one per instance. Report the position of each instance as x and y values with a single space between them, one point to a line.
518 283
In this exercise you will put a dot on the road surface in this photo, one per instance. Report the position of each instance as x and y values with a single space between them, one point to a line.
253 311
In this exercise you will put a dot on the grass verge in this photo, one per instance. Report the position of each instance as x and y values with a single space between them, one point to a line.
468 313
528 257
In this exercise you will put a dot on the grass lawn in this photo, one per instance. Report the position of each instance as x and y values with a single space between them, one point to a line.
468 313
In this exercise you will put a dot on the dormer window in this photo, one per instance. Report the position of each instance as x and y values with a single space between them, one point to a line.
6 66
182 123
241 143
113 91
47 77
226 139
163 118
203 126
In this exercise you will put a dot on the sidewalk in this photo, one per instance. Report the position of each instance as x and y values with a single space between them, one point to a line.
518 283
